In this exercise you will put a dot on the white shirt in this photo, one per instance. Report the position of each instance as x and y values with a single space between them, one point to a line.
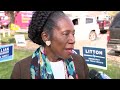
58 69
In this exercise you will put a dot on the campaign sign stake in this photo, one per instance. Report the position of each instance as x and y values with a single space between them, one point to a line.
95 57
6 52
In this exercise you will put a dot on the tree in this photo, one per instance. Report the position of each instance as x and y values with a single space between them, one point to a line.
11 15
112 13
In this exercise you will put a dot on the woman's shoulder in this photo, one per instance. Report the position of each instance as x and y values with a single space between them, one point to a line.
81 66
21 69
26 60
77 57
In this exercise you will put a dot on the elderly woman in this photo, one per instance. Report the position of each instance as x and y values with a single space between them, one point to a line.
54 59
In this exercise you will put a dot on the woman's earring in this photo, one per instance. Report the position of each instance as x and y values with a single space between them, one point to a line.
48 43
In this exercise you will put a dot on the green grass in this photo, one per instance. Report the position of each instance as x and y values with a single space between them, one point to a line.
7 67
113 70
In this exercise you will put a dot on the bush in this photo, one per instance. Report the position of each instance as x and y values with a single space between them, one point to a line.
14 27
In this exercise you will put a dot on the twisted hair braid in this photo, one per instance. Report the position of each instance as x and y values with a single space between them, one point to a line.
38 23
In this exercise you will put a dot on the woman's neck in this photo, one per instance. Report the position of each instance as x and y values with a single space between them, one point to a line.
51 56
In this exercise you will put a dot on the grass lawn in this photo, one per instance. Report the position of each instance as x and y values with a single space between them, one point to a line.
7 67
113 70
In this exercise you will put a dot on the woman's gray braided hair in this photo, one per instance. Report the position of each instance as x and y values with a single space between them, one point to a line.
42 20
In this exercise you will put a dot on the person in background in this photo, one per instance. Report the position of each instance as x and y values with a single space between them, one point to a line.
54 59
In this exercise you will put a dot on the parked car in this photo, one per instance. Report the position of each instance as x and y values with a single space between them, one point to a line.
86 28
114 35
103 24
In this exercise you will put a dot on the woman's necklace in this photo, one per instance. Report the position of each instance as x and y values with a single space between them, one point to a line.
65 69
66 73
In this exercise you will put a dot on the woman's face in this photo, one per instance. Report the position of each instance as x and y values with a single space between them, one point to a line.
62 42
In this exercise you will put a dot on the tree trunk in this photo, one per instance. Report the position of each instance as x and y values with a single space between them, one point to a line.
11 16
11 13
113 13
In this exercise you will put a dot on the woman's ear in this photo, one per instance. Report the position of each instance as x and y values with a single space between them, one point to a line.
45 36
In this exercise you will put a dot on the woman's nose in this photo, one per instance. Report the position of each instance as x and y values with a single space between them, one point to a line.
72 39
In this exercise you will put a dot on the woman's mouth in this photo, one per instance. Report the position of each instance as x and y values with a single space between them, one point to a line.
69 50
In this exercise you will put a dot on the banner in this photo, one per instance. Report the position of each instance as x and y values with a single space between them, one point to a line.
26 18
23 18
95 57
6 52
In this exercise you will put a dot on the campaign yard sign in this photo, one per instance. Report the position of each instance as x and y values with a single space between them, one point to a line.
20 40
6 52
95 57
76 51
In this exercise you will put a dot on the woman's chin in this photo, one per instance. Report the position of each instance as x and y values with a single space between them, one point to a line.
67 57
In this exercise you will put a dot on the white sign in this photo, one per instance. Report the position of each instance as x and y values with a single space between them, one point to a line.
20 40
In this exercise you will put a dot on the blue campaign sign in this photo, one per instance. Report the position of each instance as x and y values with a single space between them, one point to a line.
95 57
77 51
6 52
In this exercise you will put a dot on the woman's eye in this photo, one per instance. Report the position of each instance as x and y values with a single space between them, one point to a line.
73 33
65 33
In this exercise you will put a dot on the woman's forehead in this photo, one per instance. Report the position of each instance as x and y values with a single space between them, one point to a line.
65 23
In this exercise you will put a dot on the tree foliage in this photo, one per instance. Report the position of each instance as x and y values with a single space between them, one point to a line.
112 13
11 15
